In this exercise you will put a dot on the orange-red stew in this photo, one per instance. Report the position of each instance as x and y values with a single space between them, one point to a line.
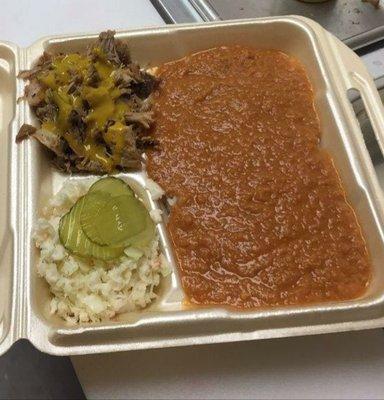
261 217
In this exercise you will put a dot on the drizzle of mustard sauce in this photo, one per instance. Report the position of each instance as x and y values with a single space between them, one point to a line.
115 136
103 101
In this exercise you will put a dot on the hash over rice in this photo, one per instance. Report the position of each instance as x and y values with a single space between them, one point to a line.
92 290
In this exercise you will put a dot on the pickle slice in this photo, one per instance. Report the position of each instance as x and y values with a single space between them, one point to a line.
120 219
113 186
94 202
73 238
105 221
142 240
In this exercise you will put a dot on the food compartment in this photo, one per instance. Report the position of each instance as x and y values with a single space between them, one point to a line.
40 295
341 136
8 211
178 323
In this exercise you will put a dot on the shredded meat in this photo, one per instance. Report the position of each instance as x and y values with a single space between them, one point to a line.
145 86
124 77
42 64
77 124
46 112
115 50
70 153
25 132
54 142
34 93
144 119
122 50
84 165
62 164
146 142
93 76
75 84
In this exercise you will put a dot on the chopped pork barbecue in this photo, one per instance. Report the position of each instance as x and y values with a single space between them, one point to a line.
94 108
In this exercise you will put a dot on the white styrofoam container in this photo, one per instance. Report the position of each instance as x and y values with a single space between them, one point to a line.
27 180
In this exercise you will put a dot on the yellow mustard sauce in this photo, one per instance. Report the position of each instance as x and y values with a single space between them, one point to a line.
103 100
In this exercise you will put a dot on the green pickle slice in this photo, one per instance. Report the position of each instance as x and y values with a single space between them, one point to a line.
120 219
93 204
73 238
107 220
113 186
144 238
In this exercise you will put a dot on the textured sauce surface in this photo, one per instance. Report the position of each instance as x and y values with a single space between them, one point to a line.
261 218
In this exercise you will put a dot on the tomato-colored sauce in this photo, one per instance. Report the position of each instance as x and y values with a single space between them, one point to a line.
261 217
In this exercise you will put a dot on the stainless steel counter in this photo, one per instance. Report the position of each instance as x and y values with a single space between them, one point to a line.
356 22
345 18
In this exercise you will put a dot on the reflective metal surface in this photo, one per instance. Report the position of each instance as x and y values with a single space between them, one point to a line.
357 23
344 18
177 11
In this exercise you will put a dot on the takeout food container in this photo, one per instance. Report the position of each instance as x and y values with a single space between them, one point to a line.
28 181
